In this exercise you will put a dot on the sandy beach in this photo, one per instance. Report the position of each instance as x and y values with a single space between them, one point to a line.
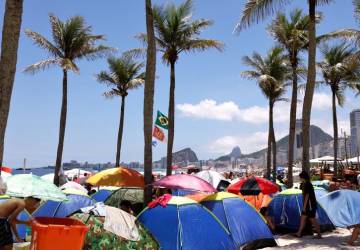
331 241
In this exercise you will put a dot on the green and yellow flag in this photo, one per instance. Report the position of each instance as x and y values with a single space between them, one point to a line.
162 120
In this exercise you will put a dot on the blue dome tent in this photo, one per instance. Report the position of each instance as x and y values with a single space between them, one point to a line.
63 209
247 227
102 195
342 206
286 209
187 225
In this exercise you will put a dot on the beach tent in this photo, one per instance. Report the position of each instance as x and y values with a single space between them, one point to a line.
102 195
247 227
342 206
63 209
99 238
286 209
214 178
185 224
23 216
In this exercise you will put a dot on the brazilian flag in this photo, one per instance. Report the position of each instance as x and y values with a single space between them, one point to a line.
162 120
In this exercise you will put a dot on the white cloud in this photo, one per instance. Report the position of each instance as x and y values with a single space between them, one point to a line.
248 143
230 111
210 109
327 125
321 101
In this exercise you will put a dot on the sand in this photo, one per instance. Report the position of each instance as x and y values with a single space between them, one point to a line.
331 241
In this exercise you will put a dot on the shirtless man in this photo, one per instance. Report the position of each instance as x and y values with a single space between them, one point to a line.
9 211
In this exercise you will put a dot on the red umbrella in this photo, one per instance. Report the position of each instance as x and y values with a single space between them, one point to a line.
253 186
184 181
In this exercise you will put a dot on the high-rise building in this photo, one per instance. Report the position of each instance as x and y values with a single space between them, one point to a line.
298 140
355 131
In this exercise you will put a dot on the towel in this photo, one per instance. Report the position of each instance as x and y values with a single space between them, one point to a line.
162 201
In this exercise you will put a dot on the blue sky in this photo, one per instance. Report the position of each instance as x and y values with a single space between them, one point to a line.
216 108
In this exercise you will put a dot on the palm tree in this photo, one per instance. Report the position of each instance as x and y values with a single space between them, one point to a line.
292 36
124 75
176 33
8 59
149 100
72 41
256 10
340 71
271 73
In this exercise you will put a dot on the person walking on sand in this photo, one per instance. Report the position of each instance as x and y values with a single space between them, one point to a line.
309 205
9 211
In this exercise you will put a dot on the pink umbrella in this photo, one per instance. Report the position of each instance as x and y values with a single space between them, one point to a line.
184 181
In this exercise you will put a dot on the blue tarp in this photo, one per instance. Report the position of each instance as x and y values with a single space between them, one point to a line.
245 224
286 211
63 209
187 227
23 216
102 195
343 207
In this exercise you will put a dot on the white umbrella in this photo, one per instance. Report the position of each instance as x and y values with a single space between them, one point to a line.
213 177
73 185
5 175
48 178
76 172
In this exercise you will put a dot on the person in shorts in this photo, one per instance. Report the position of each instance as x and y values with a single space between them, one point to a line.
9 210
309 205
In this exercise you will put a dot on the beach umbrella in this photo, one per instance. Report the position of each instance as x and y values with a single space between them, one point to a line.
247 227
286 207
184 181
5 175
253 186
63 209
29 185
76 172
342 206
73 185
48 177
118 177
185 224
217 180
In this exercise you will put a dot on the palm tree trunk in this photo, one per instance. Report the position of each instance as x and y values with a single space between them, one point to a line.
268 160
149 101
171 114
335 125
8 59
310 85
61 131
292 126
273 141
120 133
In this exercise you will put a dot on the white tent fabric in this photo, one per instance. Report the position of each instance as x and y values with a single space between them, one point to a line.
211 176
324 159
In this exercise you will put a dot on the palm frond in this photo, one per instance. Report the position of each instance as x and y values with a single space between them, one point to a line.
202 45
257 10
42 42
112 93
95 52
42 65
